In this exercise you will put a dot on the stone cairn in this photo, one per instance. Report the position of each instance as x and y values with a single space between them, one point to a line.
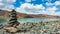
13 19
11 27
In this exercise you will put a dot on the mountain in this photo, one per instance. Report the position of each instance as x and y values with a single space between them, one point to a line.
5 13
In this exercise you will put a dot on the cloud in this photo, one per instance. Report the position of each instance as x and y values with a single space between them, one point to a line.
49 4
57 3
37 9
51 10
8 7
30 8
7 4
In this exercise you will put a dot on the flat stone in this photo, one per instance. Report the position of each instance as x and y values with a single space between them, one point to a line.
10 29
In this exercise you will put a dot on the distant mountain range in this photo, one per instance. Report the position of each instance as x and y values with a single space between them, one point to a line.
5 13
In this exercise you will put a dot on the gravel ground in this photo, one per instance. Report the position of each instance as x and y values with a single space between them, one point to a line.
52 27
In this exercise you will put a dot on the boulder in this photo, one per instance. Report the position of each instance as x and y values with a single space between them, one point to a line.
10 29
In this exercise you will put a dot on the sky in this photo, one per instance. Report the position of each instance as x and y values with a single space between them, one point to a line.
49 7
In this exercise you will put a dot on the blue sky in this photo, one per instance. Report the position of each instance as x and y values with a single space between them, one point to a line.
17 3
50 7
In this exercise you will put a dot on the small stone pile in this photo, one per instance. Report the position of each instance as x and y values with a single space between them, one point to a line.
11 27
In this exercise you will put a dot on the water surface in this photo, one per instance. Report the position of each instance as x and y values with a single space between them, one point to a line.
25 20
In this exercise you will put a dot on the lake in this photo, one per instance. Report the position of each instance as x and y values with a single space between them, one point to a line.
34 20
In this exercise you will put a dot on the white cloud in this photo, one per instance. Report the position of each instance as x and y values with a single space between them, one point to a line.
30 9
57 3
7 4
49 4
37 9
51 10
9 7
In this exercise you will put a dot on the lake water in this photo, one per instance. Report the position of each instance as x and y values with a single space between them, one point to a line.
36 20
25 20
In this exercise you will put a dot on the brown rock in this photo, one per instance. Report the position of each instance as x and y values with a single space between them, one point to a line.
10 29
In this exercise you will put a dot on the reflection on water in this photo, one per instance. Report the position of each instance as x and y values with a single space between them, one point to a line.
35 20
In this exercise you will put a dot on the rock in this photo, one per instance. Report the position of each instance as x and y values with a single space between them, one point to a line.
1 26
10 29
8 25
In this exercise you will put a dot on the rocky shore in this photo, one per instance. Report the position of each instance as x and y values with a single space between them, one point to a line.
52 27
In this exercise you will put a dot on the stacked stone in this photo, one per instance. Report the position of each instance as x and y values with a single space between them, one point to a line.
13 18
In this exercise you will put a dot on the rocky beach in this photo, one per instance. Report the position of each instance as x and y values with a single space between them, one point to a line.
52 27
